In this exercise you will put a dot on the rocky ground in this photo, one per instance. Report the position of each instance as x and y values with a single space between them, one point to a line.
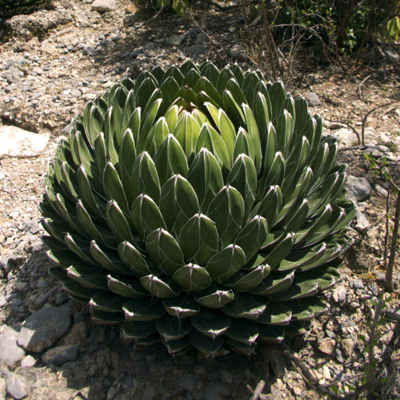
54 61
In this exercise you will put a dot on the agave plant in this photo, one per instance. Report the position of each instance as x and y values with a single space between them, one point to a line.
197 206
8 8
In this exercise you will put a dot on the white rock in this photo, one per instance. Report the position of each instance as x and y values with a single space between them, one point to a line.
358 188
16 142
28 362
326 372
103 5
346 137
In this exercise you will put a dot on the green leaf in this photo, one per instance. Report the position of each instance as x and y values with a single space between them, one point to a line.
78 290
107 318
176 347
143 90
243 177
302 257
198 239
108 260
210 71
138 329
238 347
205 176
227 211
114 189
172 328
244 306
160 286
237 93
226 263
223 78
232 109
204 85
212 323
271 334
205 344
143 309
297 290
129 108
244 333
275 314
165 251
80 247
170 159
106 301
279 251
169 89
171 117
133 259
93 120
145 178
245 281
192 278
271 204
118 223
149 116
252 236
146 215
187 132
275 173
87 222
214 298
254 136
307 309
182 306
210 139
89 276
261 113
274 283
178 203
87 195
126 286
158 132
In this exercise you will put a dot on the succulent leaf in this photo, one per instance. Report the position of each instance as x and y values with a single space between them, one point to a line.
197 207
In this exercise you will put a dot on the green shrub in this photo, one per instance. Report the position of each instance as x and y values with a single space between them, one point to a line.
197 206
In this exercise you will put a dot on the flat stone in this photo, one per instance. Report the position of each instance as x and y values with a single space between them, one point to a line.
76 335
196 49
43 328
346 137
16 141
10 352
358 284
16 386
188 383
327 346
277 362
3 301
362 222
313 99
358 188
238 52
347 346
149 393
339 294
2 388
28 362
103 5
176 40
59 355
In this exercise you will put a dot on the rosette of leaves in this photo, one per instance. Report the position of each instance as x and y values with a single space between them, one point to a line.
197 206
8 8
